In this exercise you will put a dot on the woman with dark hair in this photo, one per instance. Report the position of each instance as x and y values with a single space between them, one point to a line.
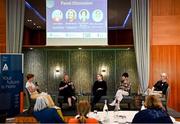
99 89
83 109
123 90
154 112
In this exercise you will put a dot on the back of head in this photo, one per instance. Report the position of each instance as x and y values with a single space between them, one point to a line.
153 101
41 103
83 109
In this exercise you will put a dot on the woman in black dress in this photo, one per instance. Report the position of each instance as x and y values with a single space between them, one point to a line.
67 89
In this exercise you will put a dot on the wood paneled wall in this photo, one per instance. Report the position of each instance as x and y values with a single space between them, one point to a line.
2 26
165 45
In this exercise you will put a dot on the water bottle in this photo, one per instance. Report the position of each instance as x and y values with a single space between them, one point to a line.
105 112
105 108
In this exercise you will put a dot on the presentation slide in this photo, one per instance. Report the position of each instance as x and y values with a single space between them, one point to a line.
76 22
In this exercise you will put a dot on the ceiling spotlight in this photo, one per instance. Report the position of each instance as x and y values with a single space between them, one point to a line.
31 48
34 23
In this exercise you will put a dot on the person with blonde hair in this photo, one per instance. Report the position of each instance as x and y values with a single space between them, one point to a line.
154 112
83 108
45 114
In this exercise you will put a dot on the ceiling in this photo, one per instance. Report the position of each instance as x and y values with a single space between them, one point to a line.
35 14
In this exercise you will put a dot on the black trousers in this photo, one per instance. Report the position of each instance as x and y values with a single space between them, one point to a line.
97 96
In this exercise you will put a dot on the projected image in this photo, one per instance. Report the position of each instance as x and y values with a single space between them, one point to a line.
57 15
97 15
50 3
76 22
84 15
71 15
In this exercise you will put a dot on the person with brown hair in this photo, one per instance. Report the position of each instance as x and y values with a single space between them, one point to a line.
154 112
83 108
32 89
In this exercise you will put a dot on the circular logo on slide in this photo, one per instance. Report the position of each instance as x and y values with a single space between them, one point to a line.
50 3
84 15
57 15
71 15
97 15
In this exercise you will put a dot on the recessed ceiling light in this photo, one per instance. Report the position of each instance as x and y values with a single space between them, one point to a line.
34 23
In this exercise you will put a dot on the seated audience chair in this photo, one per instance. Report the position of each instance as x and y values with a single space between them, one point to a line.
30 102
165 98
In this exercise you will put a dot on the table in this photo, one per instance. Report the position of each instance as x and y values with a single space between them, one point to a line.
115 117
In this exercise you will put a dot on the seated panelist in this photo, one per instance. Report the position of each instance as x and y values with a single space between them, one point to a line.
160 88
67 89
99 89
33 90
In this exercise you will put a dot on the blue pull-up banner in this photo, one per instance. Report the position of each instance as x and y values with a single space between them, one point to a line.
11 83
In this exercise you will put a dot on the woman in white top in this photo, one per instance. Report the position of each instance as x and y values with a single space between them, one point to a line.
32 89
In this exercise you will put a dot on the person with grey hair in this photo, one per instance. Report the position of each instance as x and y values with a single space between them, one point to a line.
44 114
162 84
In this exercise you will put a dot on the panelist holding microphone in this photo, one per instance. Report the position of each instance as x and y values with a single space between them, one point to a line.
67 89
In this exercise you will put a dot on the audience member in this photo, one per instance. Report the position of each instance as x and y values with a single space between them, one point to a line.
154 112
67 89
32 89
83 108
123 90
44 114
99 89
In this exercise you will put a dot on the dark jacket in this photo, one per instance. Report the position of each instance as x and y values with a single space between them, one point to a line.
161 86
100 84
152 116
48 115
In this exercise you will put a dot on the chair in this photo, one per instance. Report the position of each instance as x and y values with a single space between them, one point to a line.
61 101
30 102
164 99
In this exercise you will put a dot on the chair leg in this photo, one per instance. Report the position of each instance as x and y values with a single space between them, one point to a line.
129 106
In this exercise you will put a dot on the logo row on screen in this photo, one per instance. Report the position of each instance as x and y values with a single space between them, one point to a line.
72 15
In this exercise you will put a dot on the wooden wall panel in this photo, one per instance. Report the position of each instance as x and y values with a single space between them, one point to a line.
166 30
167 59
2 26
165 45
